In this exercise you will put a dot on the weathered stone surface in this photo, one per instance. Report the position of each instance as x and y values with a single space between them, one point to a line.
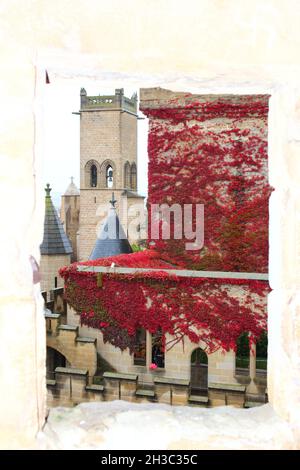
148 426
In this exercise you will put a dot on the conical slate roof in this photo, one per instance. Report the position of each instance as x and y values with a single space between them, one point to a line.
112 240
55 241
72 189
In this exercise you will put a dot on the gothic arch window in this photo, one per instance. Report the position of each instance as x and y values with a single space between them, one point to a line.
91 174
133 179
262 353
127 175
108 174
109 177
199 371
242 356
93 182
158 354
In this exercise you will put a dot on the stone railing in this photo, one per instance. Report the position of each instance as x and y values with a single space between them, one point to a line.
109 101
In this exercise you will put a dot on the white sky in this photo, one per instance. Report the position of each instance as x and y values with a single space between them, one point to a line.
61 134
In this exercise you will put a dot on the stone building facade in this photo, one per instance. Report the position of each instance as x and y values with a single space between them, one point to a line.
108 162
69 215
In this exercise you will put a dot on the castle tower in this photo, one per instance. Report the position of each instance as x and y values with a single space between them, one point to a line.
108 161
55 249
69 215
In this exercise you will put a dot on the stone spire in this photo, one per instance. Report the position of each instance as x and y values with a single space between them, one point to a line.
112 240
72 189
55 241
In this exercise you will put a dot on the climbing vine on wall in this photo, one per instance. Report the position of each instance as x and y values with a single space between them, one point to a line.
215 311
214 153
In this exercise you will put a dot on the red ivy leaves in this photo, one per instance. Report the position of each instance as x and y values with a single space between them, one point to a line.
222 164
215 311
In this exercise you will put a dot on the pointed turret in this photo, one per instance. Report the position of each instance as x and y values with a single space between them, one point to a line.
112 240
55 241
72 189
69 215
55 249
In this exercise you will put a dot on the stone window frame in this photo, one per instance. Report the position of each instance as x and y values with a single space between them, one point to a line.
284 234
133 176
127 170
87 173
102 175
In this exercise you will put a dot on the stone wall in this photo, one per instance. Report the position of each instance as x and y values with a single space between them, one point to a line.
49 267
69 216
221 366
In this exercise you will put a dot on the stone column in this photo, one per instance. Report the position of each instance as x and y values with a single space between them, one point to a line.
148 349
252 388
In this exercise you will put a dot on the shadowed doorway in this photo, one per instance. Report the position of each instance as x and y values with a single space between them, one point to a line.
199 370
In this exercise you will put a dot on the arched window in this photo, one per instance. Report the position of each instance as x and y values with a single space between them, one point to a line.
262 353
109 177
139 357
93 176
127 175
242 356
158 354
133 179
199 372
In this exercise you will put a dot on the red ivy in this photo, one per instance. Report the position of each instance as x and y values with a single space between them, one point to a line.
215 311
215 153
221 163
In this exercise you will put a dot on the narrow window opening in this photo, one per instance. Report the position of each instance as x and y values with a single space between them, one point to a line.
133 179
139 357
93 176
127 175
109 177
242 357
262 354
199 372
158 354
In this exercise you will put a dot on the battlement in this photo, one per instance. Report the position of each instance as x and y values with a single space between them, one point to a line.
101 102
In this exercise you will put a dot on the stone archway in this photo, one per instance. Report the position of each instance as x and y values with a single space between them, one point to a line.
54 359
199 372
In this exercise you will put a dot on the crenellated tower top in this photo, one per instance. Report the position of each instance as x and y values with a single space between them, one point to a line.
118 101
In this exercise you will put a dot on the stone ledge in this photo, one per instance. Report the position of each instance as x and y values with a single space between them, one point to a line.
72 371
83 339
145 393
253 404
95 388
158 426
198 399
229 387
52 315
116 376
58 290
68 328
50 382
170 381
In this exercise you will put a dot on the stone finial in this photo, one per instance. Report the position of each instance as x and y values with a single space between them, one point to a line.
113 200
48 190
72 179
82 92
